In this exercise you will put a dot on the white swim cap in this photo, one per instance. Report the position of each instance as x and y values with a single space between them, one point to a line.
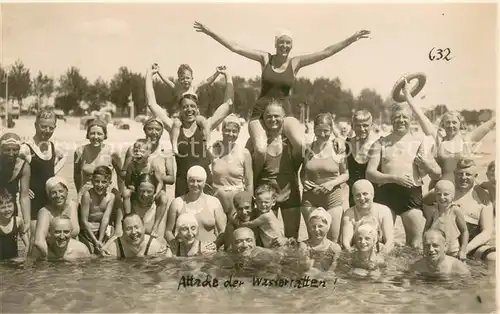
186 220
52 182
322 214
196 172
282 32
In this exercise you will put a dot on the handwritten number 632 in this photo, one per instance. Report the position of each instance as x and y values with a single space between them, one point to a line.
440 54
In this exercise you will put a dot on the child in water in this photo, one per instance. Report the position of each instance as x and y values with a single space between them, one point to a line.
186 88
322 252
365 259
10 228
448 218
435 261
269 226
142 163
96 208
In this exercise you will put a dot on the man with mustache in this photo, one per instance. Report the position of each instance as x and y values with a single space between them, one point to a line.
134 242
59 242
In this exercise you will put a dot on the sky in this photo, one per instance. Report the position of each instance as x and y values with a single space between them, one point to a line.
99 38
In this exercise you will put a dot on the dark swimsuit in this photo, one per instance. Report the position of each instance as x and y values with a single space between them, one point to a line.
192 152
274 86
41 171
8 243
122 252
11 184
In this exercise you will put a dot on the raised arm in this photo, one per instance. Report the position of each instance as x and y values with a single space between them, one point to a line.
248 171
210 80
251 54
477 134
225 109
312 58
24 196
158 111
165 80
425 123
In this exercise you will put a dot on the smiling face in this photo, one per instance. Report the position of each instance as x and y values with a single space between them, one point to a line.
58 195
465 178
283 45
153 131
451 124
230 132
100 183
273 117
185 78
196 184
265 202
141 152
323 131
318 228
401 121
434 246
244 211
45 127
363 195
96 135
365 240
445 193
189 110
362 128
133 230
244 241
6 207
187 233
10 151
60 232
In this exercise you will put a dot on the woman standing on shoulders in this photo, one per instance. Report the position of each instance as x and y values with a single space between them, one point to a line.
278 76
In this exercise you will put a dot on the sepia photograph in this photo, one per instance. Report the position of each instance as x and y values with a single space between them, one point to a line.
248 157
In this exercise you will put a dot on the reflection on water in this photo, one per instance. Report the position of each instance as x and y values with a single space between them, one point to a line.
152 286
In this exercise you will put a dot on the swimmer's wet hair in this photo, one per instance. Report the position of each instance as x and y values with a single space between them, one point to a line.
45 114
465 163
441 232
266 188
362 115
6 196
102 171
184 67
131 215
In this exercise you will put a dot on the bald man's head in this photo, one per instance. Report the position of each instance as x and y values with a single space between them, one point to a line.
363 193
244 241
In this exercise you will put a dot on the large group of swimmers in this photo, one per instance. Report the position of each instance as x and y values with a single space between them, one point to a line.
229 198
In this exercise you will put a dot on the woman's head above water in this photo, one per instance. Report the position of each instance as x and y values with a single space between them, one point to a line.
133 229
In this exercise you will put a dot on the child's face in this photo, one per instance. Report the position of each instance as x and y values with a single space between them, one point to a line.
141 152
187 233
185 79
244 211
265 202
6 208
444 196
490 174
100 183
317 228
364 240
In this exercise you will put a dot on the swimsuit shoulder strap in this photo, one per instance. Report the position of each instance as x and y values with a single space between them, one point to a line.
120 248
148 245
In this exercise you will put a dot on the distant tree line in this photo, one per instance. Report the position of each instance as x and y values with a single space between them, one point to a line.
321 95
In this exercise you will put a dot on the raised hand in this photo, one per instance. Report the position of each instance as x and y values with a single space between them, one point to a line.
221 69
201 28
360 35
155 68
